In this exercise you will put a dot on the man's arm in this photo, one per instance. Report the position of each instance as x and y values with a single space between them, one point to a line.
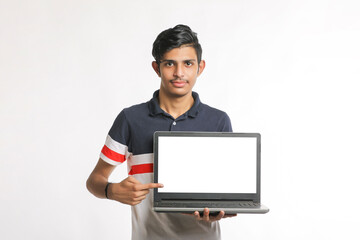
98 179
129 191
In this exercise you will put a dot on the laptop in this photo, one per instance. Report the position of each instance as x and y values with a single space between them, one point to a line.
215 170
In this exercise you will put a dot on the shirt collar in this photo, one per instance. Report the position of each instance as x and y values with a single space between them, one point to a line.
155 109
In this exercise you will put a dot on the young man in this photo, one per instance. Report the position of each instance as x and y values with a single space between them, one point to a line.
174 107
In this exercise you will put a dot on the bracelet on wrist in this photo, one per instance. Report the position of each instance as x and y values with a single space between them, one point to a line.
106 189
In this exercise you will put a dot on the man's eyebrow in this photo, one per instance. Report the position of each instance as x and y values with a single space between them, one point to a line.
167 60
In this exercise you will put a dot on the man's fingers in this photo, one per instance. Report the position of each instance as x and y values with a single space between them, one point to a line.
150 186
209 218
140 198
133 203
133 180
219 216
141 193
197 215
229 215
138 186
206 216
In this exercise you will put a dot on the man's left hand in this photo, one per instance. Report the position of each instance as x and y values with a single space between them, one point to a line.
207 217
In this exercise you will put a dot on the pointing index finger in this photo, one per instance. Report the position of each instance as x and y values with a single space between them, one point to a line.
152 185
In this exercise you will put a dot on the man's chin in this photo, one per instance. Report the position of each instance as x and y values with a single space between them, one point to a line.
179 93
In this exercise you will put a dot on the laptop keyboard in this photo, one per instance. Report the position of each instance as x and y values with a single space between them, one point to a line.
220 204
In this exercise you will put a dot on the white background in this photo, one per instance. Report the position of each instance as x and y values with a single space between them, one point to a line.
286 69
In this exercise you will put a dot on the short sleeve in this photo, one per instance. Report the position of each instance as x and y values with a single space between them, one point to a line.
115 150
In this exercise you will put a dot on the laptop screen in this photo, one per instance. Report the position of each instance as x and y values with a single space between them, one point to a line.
207 163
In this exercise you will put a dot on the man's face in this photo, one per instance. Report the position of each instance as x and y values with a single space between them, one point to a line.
178 71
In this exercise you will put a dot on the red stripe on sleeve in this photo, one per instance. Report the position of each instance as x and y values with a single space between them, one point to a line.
142 168
113 155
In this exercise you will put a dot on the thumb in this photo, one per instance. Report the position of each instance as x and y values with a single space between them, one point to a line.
131 179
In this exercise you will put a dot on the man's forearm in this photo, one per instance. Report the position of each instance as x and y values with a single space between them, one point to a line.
96 185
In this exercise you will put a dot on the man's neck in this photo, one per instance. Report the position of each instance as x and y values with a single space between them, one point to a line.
175 106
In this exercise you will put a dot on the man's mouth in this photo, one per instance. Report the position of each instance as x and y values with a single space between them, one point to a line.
179 82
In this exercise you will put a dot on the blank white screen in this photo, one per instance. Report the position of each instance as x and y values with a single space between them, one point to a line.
207 164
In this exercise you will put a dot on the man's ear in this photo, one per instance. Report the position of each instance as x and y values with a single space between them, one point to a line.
156 68
201 67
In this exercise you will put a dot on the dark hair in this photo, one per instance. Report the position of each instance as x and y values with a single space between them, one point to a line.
174 38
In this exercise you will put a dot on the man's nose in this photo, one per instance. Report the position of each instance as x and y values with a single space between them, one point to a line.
179 71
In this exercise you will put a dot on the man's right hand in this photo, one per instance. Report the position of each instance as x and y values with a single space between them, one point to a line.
130 191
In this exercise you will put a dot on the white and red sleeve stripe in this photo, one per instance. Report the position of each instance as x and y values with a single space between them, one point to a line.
114 152
140 164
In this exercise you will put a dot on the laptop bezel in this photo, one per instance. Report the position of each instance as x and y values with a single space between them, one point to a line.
161 196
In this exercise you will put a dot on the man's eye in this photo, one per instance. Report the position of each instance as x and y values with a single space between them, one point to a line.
188 64
169 64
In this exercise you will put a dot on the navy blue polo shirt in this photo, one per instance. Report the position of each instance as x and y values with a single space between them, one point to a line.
130 139
134 127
